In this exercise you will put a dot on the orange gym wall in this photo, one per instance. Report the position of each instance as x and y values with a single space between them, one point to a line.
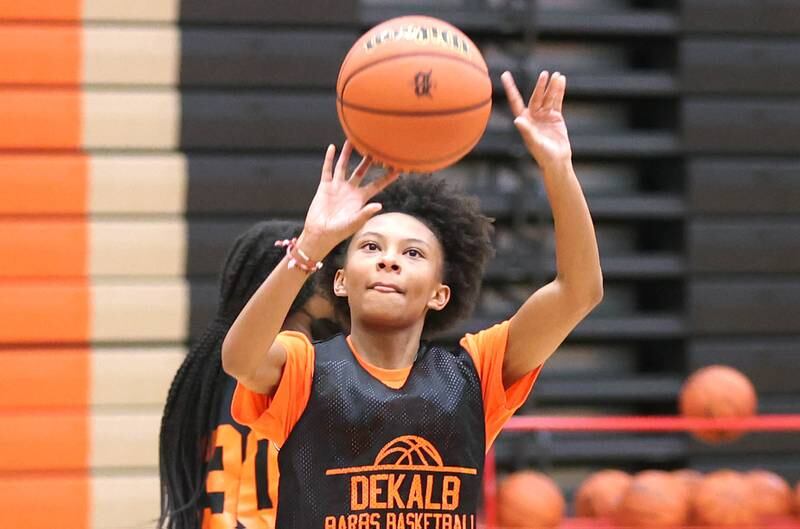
44 294
82 410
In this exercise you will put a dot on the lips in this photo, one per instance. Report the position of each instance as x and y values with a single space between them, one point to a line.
386 287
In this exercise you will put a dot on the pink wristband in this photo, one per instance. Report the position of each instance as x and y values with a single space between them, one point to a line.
297 257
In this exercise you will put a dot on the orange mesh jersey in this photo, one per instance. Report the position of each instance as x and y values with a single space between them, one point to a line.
242 481
365 445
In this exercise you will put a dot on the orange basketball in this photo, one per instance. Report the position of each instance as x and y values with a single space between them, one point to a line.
654 499
718 391
414 93
797 499
771 493
688 480
725 498
599 495
529 499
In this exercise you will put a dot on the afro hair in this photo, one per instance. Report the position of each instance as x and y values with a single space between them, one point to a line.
462 230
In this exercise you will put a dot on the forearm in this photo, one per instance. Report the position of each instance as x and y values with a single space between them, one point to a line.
552 312
577 255
339 208
247 345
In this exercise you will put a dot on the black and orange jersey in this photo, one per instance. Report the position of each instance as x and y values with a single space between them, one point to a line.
368 447
242 480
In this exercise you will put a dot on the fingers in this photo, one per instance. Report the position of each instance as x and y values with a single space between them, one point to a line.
522 126
562 89
555 90
544 95
525 130
327 164
361 171
344 158
537 96
512 93
368 211
373 188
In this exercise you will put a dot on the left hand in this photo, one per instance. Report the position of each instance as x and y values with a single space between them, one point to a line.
340 206
541 123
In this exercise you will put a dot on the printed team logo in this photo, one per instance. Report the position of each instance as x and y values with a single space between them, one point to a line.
423 84
427 36
408 487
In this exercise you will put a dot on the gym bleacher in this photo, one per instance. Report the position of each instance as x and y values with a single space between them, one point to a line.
188 121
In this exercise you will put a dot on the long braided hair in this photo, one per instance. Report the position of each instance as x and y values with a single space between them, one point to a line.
193 398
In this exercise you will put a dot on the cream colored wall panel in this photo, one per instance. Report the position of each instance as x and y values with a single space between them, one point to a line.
137 248
126 440
124 501
137 184
131 55
139 11
133 376
140 311
131 120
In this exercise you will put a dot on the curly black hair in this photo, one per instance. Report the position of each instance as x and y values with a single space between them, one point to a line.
463 231
195 393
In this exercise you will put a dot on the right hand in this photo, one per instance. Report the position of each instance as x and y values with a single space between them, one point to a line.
339 208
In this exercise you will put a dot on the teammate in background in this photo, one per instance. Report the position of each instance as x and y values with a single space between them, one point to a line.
379 429
214 473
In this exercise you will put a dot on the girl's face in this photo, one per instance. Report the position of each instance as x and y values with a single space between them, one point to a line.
393 272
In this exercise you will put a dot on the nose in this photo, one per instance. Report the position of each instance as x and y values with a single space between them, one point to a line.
388 261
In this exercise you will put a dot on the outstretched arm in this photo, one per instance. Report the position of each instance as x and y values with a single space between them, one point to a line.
339 208
554 310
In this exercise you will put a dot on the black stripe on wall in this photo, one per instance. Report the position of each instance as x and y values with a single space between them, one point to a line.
266 186
258 121
307 12
744 186
295 59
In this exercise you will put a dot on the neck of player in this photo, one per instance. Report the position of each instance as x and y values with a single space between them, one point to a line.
299 321
387 348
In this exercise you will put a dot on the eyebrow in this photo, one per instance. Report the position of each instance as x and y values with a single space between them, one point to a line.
378 235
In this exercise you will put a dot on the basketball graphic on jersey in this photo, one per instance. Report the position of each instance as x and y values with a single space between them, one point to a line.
407 484
409 450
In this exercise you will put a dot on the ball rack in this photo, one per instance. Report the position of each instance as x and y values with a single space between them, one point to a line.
761 423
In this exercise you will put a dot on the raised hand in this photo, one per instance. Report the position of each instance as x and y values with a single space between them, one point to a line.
340 207
541 123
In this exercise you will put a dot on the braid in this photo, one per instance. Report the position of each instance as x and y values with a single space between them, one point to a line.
181 450
192 400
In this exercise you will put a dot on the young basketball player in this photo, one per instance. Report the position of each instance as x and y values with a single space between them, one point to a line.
214 472
378 429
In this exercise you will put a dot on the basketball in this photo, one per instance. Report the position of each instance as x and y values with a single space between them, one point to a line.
414 93
599 495
797 499
771 493
725 498
654 499
717 391
688 480
529 499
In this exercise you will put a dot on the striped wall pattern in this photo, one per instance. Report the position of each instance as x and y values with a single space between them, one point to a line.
119 196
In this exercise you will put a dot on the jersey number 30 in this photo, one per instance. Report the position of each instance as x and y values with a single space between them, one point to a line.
240 487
